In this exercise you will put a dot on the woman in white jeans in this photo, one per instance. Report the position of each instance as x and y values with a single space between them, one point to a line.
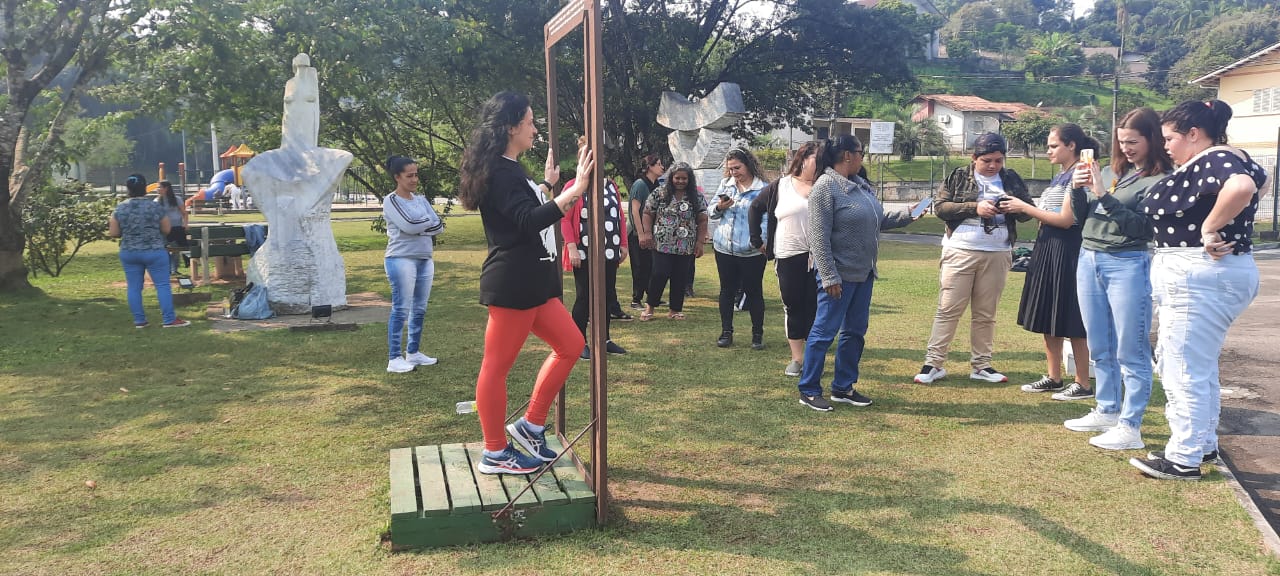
1203 276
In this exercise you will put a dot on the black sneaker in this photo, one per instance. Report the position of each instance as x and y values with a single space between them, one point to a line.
1044 384
726 339
850 397
619 315
637 305
612 348
1162 469
1206 458
815 402
757 341
1074 391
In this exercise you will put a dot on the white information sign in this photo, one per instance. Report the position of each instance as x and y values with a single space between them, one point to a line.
881 138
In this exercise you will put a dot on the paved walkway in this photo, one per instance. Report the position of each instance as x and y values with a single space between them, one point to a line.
1249 432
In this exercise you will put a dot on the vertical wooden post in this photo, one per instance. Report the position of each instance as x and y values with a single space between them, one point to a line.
572 15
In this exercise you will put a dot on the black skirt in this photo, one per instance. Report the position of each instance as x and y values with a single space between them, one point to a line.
1049 304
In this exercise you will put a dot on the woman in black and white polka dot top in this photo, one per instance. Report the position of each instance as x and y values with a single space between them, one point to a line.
1203 275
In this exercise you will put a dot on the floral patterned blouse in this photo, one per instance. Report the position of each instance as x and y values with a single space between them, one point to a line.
139 220
675 222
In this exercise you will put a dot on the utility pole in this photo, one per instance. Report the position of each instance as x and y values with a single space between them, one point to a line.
1122 18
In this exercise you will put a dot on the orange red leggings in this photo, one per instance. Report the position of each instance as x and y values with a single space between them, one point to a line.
504 336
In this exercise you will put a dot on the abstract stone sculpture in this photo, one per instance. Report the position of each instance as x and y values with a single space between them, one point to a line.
701 134
294 186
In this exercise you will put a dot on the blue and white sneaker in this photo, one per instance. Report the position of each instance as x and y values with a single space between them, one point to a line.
511 461
533 442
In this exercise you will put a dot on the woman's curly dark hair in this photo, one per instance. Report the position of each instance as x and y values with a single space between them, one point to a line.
488 143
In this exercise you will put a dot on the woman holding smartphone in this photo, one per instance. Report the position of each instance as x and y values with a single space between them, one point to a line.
740 264
1049 305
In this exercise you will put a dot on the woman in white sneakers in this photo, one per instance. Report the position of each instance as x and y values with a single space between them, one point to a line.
412 225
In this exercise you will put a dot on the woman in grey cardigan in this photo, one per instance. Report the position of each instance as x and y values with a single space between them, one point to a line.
412 225
845 220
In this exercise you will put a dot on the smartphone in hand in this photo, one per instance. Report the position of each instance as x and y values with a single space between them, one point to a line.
919 209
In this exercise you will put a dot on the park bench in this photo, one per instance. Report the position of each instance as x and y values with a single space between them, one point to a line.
225 242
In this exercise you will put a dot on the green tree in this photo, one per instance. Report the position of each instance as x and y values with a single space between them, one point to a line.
1230 38
1100 65
58 222
51 51
1029 130
1054 54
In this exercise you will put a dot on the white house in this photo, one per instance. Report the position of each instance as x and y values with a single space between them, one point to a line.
963 118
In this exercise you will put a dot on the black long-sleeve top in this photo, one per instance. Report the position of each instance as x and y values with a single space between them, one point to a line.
520 271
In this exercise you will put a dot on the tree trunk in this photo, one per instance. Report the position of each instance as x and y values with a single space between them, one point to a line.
13 274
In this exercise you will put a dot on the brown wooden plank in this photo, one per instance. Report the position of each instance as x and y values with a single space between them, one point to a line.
574 485
404 500
514 484
463 494
492 495
431 485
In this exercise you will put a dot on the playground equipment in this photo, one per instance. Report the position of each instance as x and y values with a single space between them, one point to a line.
437 498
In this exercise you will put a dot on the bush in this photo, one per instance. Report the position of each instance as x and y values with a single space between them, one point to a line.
60 217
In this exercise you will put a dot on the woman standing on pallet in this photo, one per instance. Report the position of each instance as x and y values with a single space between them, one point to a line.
519 280
412 225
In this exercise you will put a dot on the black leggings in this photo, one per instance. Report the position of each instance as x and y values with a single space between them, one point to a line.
747 273
641 267
673 267
582 303
799 288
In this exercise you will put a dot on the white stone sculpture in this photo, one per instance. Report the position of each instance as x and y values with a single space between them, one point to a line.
294 186
701 134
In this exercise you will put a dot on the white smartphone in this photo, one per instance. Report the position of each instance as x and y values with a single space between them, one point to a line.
919 209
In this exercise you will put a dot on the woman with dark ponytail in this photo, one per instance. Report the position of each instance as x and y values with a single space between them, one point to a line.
1049 305
519 280
1203 275
412 225
141 226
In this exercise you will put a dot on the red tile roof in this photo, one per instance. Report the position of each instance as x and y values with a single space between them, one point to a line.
973 103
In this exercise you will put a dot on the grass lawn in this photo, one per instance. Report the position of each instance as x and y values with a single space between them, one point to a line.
266 452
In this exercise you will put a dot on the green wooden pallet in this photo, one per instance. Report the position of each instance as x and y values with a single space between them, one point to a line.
438 499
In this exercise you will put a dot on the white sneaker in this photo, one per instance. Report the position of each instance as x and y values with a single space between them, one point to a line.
420 359
988 374
1120 437
399 365
1094 421
928 374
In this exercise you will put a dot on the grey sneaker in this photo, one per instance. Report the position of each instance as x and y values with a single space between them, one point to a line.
850 397
793 369
815 402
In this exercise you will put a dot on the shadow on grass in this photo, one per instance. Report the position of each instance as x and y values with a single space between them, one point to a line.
802 514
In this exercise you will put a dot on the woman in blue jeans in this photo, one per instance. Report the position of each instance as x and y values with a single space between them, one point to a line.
1113 282
412 225
1203 275
141 226
845 220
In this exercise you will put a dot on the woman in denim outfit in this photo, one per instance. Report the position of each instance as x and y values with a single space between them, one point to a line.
740 265
977 252
412 225
1203 275
141 225
1113 282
